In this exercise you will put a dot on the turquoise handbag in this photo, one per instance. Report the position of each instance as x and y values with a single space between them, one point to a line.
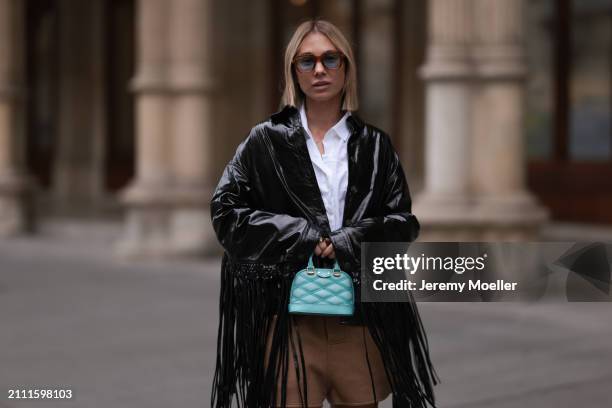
320 291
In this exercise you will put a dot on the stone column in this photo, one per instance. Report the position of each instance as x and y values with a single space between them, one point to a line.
146 198
474 181
498 167
191 83
168 201
448 73
15 202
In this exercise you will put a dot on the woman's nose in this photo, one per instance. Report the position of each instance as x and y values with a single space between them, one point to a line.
319 67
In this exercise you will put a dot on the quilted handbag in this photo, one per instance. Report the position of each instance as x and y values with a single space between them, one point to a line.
321 291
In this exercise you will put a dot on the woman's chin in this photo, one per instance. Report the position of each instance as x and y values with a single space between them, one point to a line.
322 96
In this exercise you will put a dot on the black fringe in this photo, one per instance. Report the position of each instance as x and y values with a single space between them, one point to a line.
404 350
252 294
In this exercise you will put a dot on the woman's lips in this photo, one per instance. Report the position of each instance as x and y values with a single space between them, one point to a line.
320 84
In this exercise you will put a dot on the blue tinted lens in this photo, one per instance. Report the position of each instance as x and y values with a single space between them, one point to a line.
331 61
306 63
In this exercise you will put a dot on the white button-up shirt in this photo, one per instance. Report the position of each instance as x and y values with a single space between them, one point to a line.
331 168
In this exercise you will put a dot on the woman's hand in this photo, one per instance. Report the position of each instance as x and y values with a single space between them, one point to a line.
325 248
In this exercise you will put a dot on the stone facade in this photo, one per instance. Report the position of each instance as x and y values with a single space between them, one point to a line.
201 66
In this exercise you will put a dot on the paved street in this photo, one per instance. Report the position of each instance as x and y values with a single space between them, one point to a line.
143 335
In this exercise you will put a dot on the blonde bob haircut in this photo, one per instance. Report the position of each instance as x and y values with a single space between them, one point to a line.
292 94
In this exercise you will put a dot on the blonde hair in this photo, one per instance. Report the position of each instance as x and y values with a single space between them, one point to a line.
292 94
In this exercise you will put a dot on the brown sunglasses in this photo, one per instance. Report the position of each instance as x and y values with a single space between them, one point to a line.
307 62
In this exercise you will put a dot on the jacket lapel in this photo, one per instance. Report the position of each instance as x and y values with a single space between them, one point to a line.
295 164
356 174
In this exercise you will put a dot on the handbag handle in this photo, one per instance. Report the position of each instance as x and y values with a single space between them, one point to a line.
311 264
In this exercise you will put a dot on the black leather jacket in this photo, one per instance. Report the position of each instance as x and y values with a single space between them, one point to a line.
268 214
268 207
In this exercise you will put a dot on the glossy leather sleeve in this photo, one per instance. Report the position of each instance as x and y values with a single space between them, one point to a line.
393 221
251 234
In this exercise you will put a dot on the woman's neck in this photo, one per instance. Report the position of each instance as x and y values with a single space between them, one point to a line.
322 115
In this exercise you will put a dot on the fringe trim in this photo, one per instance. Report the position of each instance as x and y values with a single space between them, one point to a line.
404 350
252 294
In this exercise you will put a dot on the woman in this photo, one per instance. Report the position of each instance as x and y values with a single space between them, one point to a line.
313 178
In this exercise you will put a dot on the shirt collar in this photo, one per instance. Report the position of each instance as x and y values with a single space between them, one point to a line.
340 128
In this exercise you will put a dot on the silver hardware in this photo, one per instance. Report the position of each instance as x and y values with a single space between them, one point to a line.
337 274
310 272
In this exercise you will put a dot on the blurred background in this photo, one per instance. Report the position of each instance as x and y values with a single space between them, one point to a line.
501 110
117 118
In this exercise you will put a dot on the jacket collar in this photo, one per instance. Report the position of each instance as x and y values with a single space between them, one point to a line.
290 116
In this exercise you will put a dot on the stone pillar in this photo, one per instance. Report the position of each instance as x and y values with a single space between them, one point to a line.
191 83
498 167
15 202
78 183
448 74
146 198
167 203
474 181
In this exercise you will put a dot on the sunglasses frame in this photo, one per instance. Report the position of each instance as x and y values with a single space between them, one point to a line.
317 60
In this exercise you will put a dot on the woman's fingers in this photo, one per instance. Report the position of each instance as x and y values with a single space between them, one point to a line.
332 255
328 251
320 248
325 249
